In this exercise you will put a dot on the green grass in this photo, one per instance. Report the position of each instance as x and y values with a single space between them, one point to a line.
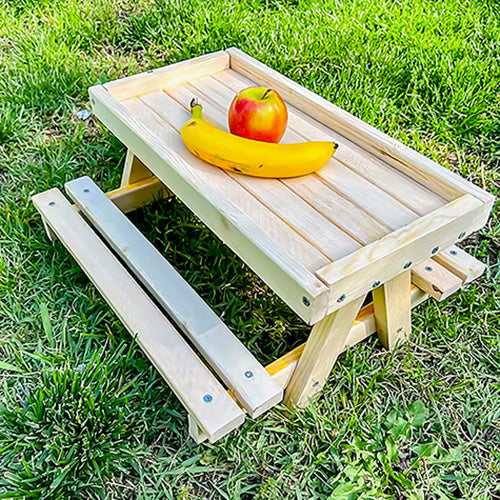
82 412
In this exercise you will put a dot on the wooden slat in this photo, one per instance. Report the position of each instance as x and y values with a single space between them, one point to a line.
190 380
435 279
407 191
174 74
376 203
326 341
460 263
392 309
378 262
364 326
161 148
230 359
416 166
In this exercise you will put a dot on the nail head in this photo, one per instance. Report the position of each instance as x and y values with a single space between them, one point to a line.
453 252
375 284
341 298
435 250
428 268
408 265
306 301
207 398
461 235
52 203
248 374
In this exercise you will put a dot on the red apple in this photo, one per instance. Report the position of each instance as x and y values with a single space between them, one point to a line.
258 113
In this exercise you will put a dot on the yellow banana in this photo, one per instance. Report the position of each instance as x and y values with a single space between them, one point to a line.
246 156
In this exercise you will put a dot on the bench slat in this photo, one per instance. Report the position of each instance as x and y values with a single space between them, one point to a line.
186 375
237 367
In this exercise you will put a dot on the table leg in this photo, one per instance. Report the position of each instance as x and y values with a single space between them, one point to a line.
325 343
392 306
134 170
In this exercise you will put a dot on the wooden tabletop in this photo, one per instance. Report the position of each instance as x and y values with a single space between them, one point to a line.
322 240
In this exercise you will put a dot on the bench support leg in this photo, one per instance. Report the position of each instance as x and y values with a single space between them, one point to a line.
134 170
392 307
195 431
325 343
50 234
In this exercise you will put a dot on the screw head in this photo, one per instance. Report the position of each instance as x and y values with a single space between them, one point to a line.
453 252
435 250
461 235
52 203
207 398
399 330
306 301
428 268
248 374
86 190
408 265
315 384
341 298
375 284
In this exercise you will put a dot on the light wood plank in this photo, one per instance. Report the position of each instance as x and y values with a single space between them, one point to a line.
230 359
190 380
378 262
149 137
404 189
416 166
365 325
171 75
460 263
435 279
138 194
375 202
392 309
325 343
133 170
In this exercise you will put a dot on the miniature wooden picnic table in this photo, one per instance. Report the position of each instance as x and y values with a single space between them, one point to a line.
379 217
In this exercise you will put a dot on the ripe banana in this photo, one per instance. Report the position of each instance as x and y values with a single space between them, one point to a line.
250 157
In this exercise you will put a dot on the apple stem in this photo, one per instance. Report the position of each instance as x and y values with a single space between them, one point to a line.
266 92
196 108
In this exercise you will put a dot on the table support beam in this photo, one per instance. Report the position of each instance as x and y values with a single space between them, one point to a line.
325 343
134 170
392 307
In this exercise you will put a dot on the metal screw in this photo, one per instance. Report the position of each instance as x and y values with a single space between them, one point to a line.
375 284
428 268
207 398
453 252
399 330
407 265
435 250
316 384
461 235
341 298
306 302
52 203
248 374
86 190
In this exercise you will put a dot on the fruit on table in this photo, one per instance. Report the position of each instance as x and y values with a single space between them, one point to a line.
246 156
258 113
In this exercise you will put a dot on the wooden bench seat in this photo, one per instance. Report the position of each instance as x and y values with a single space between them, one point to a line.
231 360
205 399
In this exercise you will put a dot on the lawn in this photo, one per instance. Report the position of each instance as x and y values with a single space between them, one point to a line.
82 412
